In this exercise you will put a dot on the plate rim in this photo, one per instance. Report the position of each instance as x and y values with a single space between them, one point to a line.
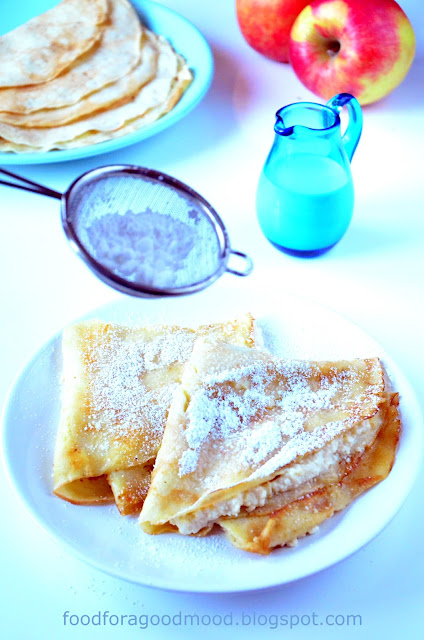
198 88
414 410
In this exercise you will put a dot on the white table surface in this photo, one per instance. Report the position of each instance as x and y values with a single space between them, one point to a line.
374 276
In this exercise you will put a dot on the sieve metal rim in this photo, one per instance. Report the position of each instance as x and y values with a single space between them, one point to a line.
134 288
107 276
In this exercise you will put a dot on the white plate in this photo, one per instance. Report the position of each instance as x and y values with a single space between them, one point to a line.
101 537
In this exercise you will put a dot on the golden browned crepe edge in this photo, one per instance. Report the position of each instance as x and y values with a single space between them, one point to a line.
86 491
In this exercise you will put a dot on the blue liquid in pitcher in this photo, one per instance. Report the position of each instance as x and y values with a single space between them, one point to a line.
304 203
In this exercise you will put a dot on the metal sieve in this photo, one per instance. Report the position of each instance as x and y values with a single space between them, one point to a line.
142 231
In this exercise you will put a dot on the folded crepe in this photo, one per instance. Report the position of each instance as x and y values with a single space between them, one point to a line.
291 515
117 388
247 430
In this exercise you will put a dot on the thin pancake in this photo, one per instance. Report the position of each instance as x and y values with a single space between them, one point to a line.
243 419
43 47
118 385
117 53
278 525
130 487
110 96
152 101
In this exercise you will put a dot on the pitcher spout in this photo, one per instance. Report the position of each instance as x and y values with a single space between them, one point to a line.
312 120
280 126
307 116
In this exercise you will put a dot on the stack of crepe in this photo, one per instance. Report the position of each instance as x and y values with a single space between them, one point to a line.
84 72
263 447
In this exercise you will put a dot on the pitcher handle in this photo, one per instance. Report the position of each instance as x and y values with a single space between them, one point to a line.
353 131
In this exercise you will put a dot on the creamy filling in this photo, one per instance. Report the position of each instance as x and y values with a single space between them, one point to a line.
294 475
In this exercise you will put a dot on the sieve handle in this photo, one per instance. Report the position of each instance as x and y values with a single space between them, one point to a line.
29 185
249 264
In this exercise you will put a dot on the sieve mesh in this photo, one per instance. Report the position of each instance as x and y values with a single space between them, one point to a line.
141 231
147 231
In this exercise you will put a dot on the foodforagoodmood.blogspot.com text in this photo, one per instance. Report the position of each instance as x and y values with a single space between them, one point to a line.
191 619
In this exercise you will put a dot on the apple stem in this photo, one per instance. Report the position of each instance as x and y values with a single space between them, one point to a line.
333 47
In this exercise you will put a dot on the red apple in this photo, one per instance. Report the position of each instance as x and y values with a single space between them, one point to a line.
266 24
363 47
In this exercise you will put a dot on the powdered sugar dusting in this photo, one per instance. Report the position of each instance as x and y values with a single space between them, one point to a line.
118 363
264 413
165 350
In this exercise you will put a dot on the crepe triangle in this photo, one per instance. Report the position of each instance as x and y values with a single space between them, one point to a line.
245 426
117 389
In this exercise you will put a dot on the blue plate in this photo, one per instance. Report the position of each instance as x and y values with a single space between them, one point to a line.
183 36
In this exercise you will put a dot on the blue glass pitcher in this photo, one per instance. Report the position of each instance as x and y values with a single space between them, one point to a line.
305 194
